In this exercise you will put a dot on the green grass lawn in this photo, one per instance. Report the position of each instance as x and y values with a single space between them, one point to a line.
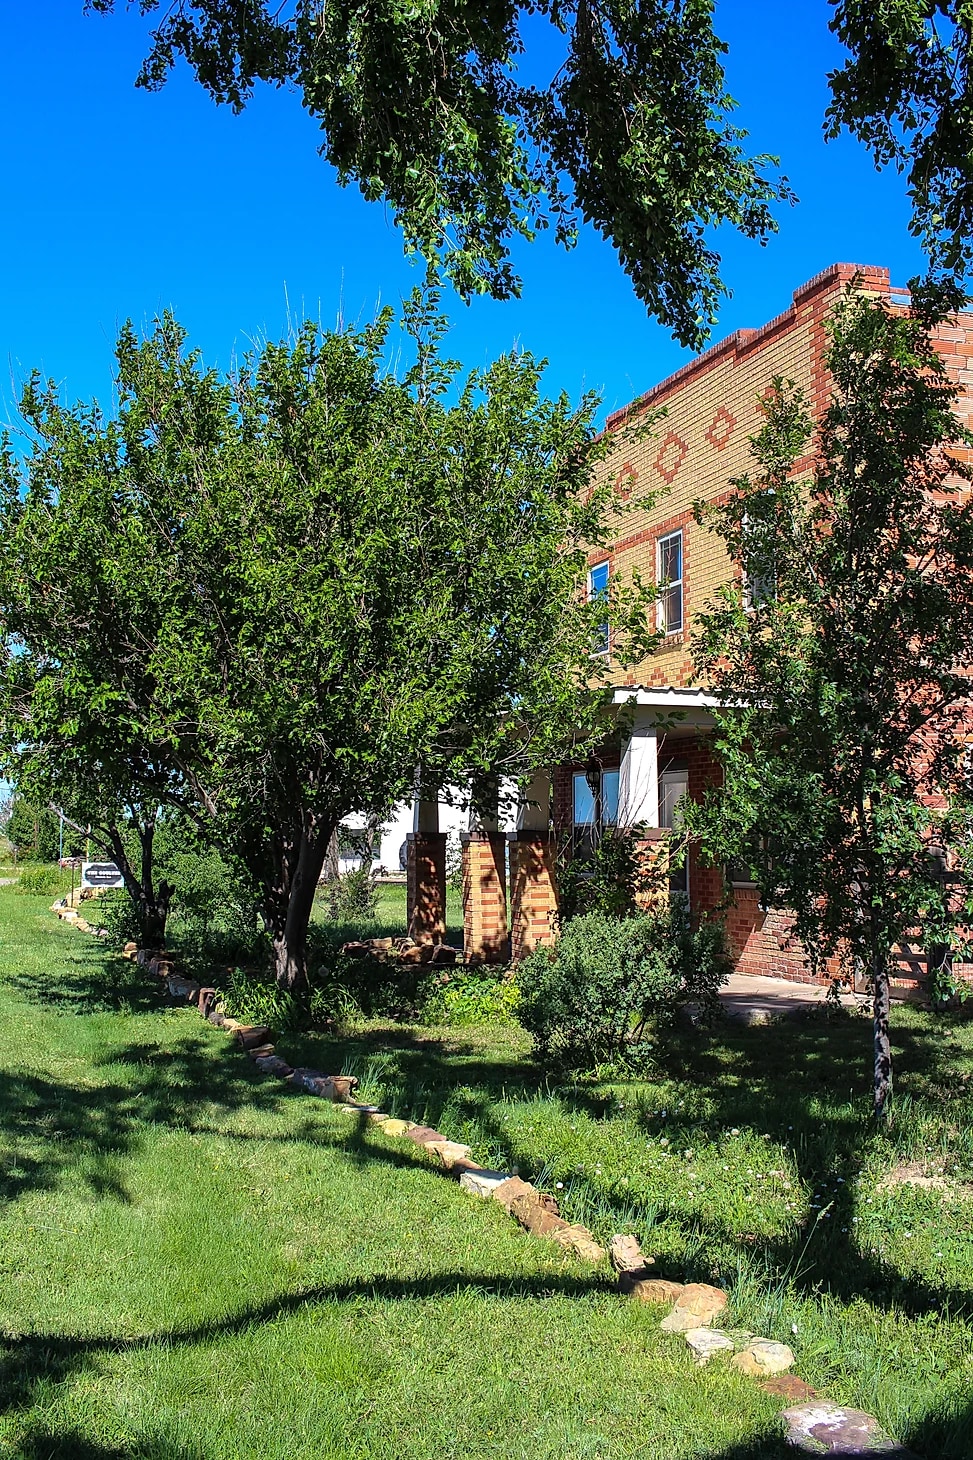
751 1160
390 915
198 1262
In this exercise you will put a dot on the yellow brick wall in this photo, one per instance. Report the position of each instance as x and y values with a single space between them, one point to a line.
712 408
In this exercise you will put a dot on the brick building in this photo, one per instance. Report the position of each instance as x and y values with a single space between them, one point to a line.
711 407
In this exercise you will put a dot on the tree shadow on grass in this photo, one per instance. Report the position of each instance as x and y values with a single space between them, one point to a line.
43 1443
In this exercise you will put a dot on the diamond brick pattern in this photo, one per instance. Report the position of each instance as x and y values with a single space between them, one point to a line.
625 481
672 454
721 428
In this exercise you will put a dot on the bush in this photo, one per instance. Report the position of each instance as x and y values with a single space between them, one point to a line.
587 1000
351 897
118 915
42 881
472 996
253 997
611 879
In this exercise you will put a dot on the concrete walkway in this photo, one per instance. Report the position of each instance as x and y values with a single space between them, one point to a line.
759 1000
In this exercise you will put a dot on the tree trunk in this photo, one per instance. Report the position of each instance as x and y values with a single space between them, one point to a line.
151 905
289 905
882 1037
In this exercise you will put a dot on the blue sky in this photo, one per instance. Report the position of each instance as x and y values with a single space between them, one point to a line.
121 203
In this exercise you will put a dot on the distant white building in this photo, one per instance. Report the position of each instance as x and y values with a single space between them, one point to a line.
389 850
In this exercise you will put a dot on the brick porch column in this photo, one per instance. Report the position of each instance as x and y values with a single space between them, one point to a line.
533 882
426 875
484 897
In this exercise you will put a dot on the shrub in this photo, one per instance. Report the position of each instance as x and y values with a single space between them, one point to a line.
611 879
42 881
351 897
587 1000
463 996
117 914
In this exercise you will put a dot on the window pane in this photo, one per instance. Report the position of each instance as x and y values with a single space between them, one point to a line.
584 801
670 558
599 580
671 787
598 588
672 609
609 798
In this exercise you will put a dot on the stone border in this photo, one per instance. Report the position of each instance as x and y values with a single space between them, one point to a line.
814 1425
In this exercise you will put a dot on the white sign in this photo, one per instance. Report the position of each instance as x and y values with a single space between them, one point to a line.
101 874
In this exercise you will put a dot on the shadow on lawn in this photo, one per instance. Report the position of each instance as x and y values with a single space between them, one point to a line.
42 1443
804 1083
55 1129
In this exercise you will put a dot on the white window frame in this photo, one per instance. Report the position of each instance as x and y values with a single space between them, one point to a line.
603 631
671 583
669 779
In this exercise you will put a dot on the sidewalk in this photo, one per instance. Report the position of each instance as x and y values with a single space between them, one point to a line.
759 1000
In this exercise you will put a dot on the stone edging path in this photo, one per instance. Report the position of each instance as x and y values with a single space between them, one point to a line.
814 1425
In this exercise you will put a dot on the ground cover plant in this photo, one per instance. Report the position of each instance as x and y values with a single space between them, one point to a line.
200 1264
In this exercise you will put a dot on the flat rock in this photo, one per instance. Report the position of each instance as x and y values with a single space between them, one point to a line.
249 1036
423 1133
397 1128
696 1307
625 1254
512 1189
448 1153
538 1213
821 1428
651 1290
578 1239
707 1342
481 1182
762 1358
378 1117
272 1064
789 1387
260 1051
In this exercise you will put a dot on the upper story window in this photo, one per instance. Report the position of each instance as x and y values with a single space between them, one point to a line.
759 552
669 578
598 588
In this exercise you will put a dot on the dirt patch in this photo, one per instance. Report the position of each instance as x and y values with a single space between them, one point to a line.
922 1174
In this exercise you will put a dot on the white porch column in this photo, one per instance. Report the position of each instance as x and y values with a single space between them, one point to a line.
425 816
638 782
534 806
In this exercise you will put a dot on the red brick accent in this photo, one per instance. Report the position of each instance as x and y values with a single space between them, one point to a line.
672 454
426 886
533 892
721 428
485 937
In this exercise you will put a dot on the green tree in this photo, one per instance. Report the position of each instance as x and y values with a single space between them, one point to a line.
313 578
906 92
842 659
428 107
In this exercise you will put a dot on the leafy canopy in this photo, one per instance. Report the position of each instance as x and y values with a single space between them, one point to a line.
907 93
266 599
436 107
